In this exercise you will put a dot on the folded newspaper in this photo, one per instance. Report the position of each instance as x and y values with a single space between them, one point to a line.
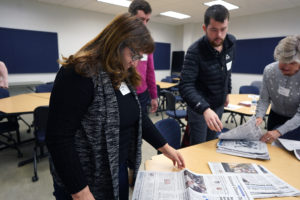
244 141
291 145
186 185
260 181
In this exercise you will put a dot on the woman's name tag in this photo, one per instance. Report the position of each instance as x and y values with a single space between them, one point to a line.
284 91
124 89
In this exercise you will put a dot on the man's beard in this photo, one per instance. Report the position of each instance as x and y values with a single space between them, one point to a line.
214 44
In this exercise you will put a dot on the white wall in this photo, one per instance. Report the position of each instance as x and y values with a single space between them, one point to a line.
75 27
272 24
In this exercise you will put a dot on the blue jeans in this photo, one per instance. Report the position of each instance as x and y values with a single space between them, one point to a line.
199 132
61 194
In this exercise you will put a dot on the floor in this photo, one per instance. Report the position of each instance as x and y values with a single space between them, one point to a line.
16 181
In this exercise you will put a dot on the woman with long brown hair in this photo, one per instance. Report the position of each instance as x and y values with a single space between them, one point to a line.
95 125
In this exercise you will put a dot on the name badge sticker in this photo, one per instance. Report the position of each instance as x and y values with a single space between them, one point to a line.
145 57
228 65
284 91
124 89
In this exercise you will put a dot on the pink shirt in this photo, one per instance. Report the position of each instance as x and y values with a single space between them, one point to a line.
146 71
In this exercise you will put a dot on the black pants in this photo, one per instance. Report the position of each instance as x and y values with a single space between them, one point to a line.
61 194
275 120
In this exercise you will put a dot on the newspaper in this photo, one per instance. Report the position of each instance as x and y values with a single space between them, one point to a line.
186 185
244 148
244 141
291 145
247 131
260 181
233 107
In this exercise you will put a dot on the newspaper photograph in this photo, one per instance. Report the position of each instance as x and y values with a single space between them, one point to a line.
189 186
244 148
260 182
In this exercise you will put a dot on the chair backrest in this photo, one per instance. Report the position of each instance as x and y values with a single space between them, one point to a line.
167 79
248 89
158 90
170 130
3 93
44 88
171 101
257 84
40 115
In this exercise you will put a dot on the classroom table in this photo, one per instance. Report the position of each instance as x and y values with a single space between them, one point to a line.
24 103
283 164
235 99
165 85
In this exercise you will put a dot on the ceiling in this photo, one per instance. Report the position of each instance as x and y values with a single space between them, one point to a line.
194 8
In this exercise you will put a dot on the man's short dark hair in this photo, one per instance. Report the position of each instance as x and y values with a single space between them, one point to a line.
139 5
217 12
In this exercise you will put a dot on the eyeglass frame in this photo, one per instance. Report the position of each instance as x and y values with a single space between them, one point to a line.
135 55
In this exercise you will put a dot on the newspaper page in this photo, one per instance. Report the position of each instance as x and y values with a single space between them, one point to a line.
260 182
151 185
291 145
189 186
247 131
244 148
215 187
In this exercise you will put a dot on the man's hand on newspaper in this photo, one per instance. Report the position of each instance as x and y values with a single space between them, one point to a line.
212 120
174 155
270 136
258 121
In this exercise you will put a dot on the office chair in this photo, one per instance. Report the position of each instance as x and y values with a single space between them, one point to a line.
170 130
40 117
44 87
248 89
161 101
9 125
257 84
171 110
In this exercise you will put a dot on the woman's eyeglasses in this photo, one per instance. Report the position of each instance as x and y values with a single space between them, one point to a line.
135 55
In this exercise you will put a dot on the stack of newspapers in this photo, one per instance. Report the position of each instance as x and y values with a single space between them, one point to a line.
260 182
186 185
244 141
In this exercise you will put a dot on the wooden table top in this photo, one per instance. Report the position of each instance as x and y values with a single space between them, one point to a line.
24 103
235 99
165 85
283 164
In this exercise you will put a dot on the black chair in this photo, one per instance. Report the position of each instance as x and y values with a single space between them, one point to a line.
40 117
171 110
257 84
8 124
161 101
44 87
170 130
248 89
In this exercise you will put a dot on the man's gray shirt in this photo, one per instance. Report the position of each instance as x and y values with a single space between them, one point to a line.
283 92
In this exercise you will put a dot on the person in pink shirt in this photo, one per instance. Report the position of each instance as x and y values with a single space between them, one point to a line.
3 75
147 89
